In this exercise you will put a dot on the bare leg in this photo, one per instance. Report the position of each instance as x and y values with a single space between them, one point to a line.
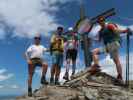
68 65
95 68
95 56
73 66
44 69
66 75
31 69
118 66
52 73
57 74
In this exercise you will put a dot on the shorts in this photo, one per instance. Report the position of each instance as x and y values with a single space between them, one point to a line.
37 61
111 48
57 58
71 54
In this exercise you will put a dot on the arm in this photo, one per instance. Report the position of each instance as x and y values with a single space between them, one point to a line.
46 49
27 55
120 31
97 38
115 29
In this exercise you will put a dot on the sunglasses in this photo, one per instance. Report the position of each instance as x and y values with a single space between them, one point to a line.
101 20
37 38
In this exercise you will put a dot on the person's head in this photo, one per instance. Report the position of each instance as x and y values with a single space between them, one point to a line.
37 40
101 21
70 29
59 30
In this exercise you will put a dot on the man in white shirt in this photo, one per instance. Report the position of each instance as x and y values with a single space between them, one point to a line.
34 57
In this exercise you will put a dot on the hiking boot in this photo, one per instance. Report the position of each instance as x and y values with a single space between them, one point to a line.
43 81
30 92
52 81
66 76
94 69
119 81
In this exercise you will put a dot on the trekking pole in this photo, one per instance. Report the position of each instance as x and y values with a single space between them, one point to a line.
127 57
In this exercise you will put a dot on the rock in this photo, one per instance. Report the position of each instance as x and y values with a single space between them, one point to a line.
84 86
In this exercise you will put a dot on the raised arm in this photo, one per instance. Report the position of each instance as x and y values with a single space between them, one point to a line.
114 28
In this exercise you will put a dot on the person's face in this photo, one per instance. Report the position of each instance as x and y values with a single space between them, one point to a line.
101 23
59 31
37 40
71 32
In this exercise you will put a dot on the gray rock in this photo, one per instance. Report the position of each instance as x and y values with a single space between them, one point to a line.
84 86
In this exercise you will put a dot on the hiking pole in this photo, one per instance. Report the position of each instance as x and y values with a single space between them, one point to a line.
127 57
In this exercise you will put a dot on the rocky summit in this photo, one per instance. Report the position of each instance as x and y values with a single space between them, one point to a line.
84 86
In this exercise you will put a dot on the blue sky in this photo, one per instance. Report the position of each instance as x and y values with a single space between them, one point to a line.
21 19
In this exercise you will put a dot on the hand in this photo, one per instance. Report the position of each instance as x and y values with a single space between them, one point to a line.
129 31
29 62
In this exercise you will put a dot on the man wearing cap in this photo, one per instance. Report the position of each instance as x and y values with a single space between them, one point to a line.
56 49
34 57
71 51
110 34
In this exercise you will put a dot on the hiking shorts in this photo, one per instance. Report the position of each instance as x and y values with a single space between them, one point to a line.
57 58
71 54
38 61
111 48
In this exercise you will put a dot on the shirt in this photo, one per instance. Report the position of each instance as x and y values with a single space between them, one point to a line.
35 51
72 44
57 43
72 41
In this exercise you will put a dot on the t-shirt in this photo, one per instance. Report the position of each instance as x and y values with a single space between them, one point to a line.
35 51
57 43
72 42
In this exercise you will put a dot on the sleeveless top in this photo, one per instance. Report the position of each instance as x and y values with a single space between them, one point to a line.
108 35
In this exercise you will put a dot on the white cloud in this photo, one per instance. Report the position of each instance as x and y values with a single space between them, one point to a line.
2 71
27 17
5 76
14 86
1 86
2 33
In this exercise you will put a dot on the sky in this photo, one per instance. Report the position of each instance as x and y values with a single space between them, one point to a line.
20 20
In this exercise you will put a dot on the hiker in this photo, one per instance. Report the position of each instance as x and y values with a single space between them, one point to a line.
56 49
34 57
110 34
71 52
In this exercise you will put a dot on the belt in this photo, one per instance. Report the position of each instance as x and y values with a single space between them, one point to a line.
35 58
